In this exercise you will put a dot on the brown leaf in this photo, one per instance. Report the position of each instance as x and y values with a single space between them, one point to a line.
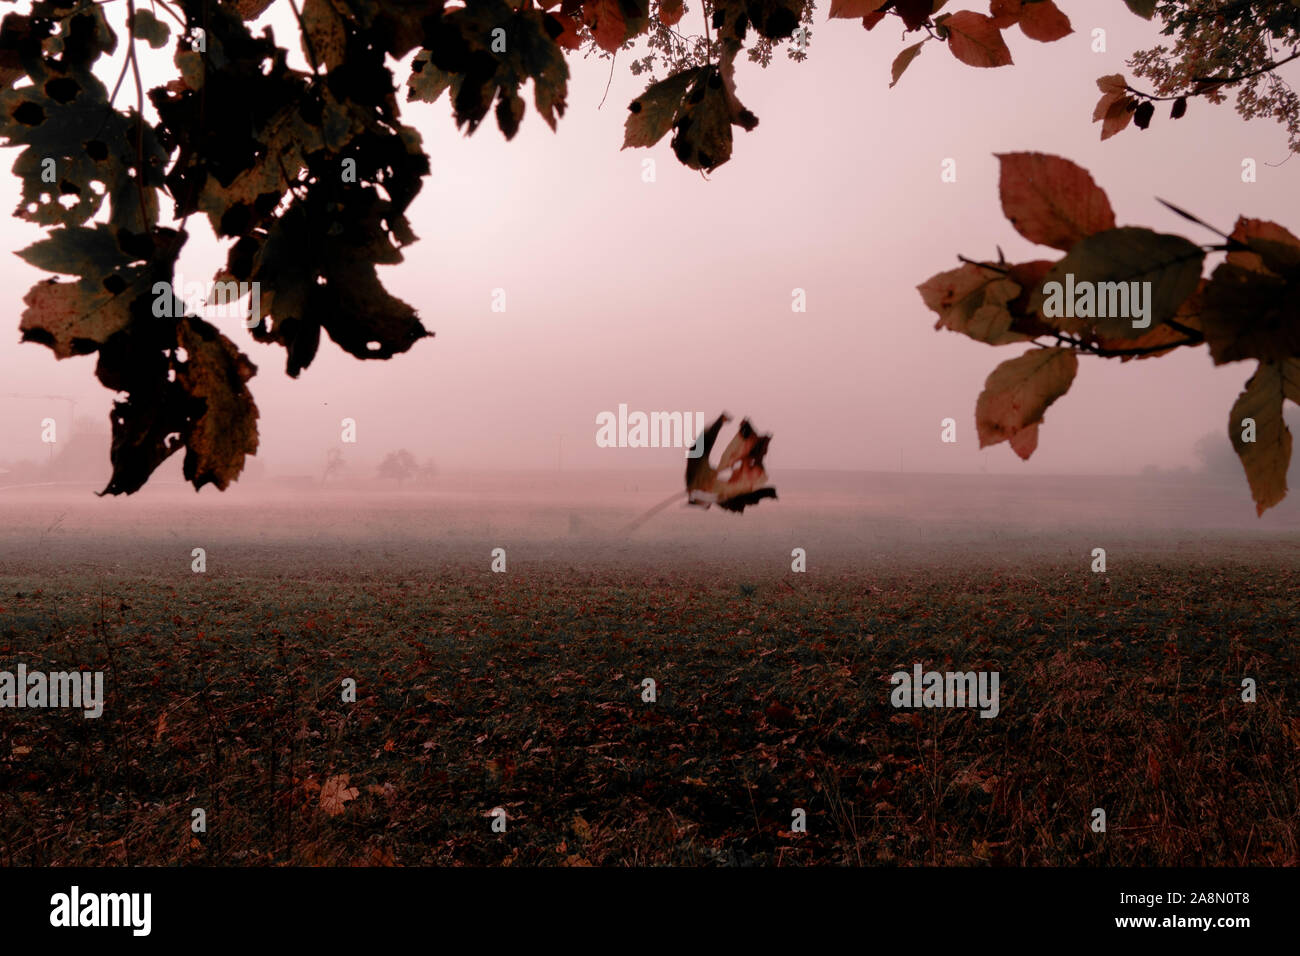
854 9
1112 109
1051 200
1267 457
976 41
335 793
1019 391
1044 22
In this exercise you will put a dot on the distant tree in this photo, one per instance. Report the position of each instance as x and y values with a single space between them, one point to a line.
334 465
428 471
399 465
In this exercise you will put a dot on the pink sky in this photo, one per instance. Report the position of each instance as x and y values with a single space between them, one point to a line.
676 294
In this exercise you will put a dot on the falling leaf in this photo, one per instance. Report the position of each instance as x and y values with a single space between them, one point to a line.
745 479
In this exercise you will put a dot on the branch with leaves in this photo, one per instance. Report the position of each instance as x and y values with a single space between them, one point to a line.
1247 309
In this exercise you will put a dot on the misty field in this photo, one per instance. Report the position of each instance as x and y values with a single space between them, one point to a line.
523 690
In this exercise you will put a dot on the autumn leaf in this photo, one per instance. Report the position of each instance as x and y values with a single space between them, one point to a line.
215 373
324 39
614 22
1051 200
1267 456
1018 392
702 136
973 300
854 9
1043 21
670 11
975 40
335 793
1112 109
739 479
651 115
903 61
1170 263
1251 305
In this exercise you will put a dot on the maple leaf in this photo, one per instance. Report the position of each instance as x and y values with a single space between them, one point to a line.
1050 200
334 793
739 479
1018 392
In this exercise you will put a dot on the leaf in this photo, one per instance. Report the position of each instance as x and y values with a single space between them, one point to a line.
854 9
903 60
1005 13
1251 305
1043 21
1266 458
426 82
670 11
614 22
1142 115
71 318
149 28
652 114
975 40
215 372
747 482
1171 264
702 129
1051 200
973 300
324 34
1018 392
1112 109
1143 8
334 793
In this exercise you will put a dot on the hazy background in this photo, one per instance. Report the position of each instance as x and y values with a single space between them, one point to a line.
675 295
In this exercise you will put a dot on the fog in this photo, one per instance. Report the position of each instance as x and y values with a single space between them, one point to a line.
677 294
